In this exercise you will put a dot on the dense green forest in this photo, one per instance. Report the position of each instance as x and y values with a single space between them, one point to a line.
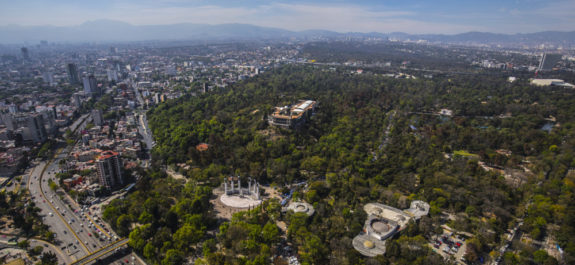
411 54
373 139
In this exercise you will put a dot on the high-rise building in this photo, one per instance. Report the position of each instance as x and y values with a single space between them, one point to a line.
77 100
49 117
8 121
96 90
13 108
112 75
109 167
31 126
25 53
91 86
72 70
97 117
36 130
87 88
48 77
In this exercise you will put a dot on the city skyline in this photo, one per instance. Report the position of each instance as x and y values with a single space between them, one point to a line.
415 17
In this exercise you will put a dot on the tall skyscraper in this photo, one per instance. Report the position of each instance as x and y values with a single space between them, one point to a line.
109 167
25 54
91 86
87 88
96 91
72 70
97 117
77 100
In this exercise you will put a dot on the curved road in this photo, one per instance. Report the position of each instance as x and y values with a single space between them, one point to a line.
76 231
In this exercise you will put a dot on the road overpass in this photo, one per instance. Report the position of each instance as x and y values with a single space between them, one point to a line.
101 252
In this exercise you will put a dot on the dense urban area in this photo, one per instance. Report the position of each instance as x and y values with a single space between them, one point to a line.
304 151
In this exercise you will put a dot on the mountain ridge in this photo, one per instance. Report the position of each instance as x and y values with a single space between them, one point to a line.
118 31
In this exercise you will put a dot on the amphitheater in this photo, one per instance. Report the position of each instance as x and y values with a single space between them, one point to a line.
236 196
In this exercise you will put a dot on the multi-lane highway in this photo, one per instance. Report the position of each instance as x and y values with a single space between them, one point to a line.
78 233
78 230
144 130
81 235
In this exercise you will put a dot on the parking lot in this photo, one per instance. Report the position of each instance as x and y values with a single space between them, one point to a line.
449 245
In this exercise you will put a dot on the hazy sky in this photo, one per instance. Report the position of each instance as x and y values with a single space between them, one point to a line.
412 16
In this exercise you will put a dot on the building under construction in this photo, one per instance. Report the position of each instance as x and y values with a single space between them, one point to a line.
290 117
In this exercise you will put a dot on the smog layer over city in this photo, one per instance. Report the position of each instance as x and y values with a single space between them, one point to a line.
284 132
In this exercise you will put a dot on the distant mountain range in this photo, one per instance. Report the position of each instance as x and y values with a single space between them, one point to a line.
116 31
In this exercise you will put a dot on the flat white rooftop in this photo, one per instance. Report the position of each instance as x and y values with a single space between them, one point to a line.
242 202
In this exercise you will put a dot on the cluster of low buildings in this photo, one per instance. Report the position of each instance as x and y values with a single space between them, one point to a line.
103 153
26 126
382 223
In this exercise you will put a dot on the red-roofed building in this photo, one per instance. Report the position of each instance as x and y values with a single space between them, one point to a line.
202 147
